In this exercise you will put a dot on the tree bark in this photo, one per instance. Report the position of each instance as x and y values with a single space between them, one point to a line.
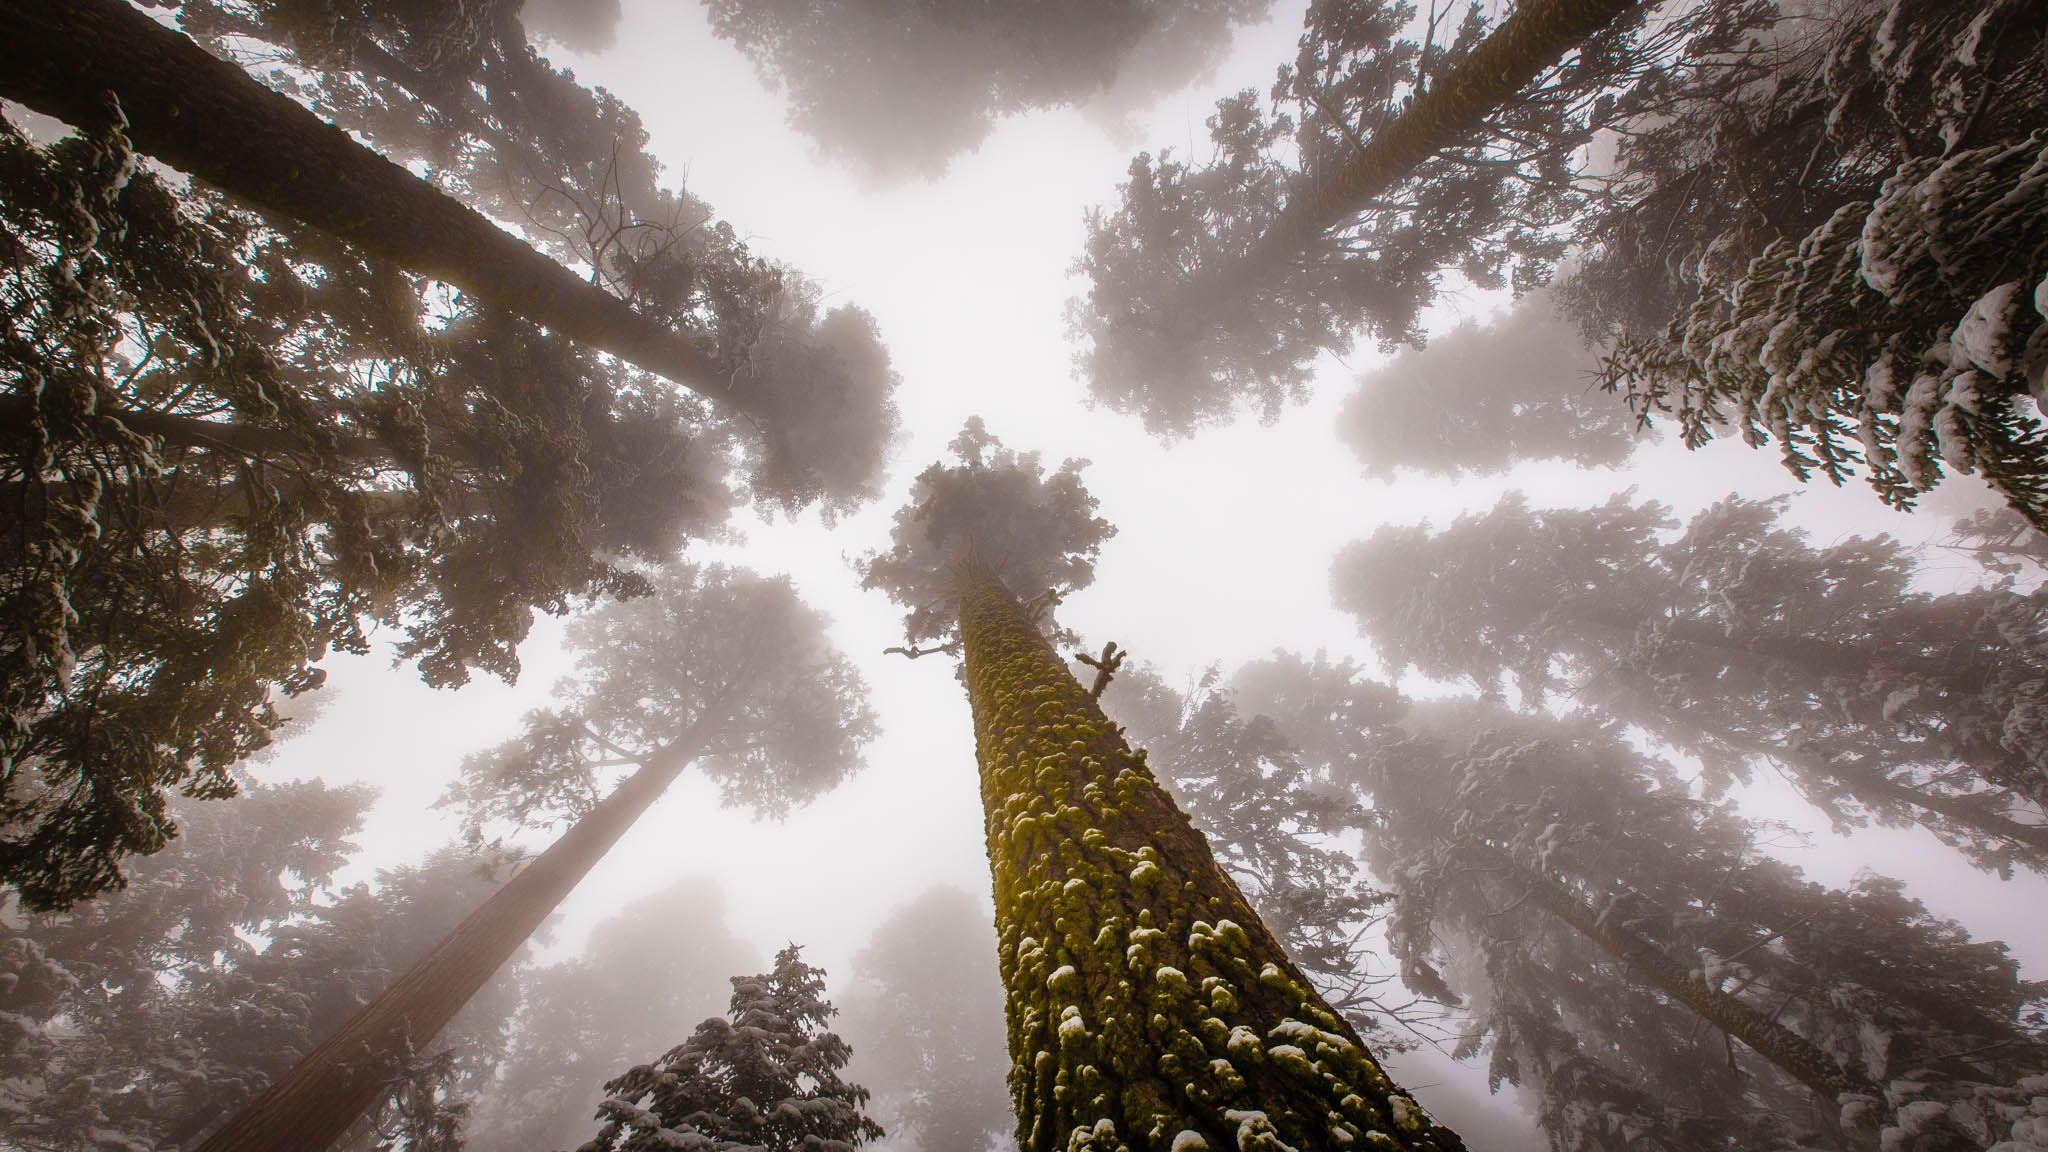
1526 43
209 118
311 1106
1790 1052
1148 1006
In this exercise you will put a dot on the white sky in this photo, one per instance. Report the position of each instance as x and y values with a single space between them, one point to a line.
1222 553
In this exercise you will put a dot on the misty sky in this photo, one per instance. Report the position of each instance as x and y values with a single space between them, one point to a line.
1222 552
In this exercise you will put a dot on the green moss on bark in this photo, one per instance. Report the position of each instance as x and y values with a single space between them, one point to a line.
1148 1007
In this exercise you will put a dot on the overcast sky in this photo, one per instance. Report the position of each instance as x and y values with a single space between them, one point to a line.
1222 552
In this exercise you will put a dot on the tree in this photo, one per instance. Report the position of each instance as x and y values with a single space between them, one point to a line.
1596 915
899 91
1843 259
244 444
1148 1005
149 1013
924 1014
251 440
1739 642
1481 399
646 976
768 1078
1272 820
717 668
1214 286
463 93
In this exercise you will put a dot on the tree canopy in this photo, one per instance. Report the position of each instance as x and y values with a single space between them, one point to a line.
1035 533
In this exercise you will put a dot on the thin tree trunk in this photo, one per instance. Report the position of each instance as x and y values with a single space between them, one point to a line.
207 117
1790 1052
1148 1006
311 1106
1530 40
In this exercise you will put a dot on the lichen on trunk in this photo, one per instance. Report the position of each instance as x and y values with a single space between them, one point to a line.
1148 1006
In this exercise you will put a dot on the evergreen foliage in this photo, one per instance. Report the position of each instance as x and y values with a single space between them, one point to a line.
1387 162
141 1019
233 444
766 1078
1742 643
1599 923
1833 238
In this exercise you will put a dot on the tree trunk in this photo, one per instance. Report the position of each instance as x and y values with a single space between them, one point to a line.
1792 1053
1508 60
1149 1008
207 117
311 1106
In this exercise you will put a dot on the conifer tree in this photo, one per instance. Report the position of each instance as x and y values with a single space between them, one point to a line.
1148 1005
243 444
1214 286
1272 817
1828 238
147 1015
719 669
767 1078
1740 642
1597 915
249 441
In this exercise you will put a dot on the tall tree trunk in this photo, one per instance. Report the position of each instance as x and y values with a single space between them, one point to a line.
1790 1052
311 1106
209 118
1456 107
1149 1008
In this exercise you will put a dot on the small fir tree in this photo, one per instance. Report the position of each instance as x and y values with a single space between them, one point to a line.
767 1077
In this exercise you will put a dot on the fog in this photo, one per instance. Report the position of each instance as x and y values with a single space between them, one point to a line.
1783 734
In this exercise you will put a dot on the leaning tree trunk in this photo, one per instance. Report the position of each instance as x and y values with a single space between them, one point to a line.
1149 1008
310 1107
209 118
1449 113
1791 1053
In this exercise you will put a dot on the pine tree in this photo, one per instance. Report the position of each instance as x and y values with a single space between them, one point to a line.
1148 1005
1599 917
1827 237
206 369
768 1078
1272 818
718 669
149 1014
245 445
900 90
1213 287
1739 642
464 94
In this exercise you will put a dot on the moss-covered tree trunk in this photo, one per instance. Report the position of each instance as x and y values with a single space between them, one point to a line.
1790 1052
1148 1007
1451 112
310 1107
209 118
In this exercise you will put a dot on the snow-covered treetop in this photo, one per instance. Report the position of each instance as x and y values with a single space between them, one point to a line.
998 508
